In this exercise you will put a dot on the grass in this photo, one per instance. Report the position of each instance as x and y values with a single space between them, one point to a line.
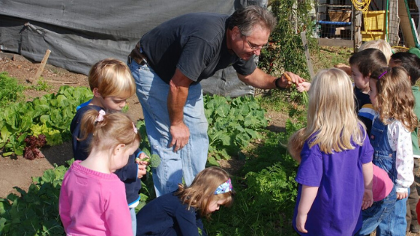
327 57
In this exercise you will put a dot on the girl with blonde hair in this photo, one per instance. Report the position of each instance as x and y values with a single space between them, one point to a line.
335 173
393 100
92 198
180 212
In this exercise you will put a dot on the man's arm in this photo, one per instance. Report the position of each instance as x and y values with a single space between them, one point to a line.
178 93
260 79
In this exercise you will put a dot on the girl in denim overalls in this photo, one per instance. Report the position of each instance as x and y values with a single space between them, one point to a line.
391 96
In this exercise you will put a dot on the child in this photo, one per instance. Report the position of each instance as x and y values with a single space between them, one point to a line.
362 64
391 139
180 212
92 199
381 183
411 63
111 83
335 174
380 44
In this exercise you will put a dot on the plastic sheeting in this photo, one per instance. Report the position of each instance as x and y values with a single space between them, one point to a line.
80 33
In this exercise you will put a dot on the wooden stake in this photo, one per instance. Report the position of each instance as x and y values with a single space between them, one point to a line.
307 54
41 67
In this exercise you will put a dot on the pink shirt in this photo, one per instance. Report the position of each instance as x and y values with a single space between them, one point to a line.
382 184
93 203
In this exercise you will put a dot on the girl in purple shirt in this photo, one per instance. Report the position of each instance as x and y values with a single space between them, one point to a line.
335 174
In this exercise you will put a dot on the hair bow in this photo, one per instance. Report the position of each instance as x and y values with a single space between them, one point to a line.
224 188
100 116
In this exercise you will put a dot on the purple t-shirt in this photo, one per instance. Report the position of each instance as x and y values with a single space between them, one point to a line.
337 206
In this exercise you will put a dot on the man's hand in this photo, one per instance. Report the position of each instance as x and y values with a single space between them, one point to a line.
180 136
289 78
177 97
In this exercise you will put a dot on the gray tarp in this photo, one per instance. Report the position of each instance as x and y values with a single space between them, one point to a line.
80 33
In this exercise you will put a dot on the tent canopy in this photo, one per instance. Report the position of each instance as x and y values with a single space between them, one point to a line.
79 33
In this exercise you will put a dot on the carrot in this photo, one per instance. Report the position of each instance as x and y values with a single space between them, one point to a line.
289 80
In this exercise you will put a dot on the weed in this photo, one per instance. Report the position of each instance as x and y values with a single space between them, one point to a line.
41 85
10 91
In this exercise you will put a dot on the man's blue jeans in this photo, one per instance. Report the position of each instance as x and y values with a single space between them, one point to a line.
185 164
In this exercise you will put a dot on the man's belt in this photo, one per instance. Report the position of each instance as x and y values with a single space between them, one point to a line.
137 56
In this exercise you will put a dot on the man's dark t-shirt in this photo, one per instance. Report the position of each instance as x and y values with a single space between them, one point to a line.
195 43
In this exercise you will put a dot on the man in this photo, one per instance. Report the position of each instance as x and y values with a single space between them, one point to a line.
169 62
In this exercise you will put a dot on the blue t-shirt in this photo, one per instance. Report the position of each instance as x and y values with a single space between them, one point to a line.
364 108
337 207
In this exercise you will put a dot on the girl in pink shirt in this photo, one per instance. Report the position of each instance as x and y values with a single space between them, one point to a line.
92 199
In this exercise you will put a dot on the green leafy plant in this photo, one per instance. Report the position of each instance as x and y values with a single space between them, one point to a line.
49 115
233 123
35 212
286 51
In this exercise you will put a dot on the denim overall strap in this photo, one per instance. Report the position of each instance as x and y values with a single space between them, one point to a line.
384 157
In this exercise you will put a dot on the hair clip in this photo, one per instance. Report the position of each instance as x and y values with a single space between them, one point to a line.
134 128
100 116
383 73
224 188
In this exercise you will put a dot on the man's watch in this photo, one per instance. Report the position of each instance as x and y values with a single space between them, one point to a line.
276 82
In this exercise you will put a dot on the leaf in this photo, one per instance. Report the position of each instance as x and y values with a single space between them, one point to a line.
222 110
252 133
224 138
242 139
62 101
26 123
44 119
19 150
5 134
154 161
212 161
